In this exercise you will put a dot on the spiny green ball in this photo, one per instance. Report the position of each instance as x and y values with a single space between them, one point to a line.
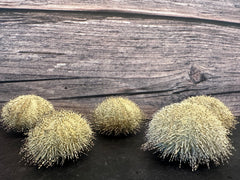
59 136
217 107
117 115
23 112
188 133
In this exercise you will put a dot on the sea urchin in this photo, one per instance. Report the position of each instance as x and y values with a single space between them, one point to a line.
117 115
217 107
59 136
188 133
23 112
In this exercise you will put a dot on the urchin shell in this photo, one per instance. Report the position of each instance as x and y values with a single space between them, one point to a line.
117 115
188 133
23 112
217 107
59 136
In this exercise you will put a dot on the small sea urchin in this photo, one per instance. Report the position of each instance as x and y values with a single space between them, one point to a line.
217 107
117 115
59 136
188 133
23 112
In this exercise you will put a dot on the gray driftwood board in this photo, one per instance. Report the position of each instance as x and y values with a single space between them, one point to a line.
154 52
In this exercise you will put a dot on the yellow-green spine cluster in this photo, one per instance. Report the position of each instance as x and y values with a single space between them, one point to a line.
23 112
194 131
117 115
61 135
217 107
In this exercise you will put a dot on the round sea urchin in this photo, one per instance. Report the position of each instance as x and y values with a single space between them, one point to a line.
23 112
117 115
217 107
188 133
59 136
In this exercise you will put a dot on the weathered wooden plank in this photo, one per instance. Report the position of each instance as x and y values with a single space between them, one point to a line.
221 10
75 59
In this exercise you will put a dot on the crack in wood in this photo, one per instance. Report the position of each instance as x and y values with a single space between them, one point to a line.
135 14
110 94
40 52
224 92
70 78
36 80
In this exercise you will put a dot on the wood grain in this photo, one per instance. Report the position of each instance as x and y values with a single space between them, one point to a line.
217 10
77 59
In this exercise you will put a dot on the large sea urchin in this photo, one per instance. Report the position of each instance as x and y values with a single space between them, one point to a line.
23 112
188 133
217 107
59 136
117 115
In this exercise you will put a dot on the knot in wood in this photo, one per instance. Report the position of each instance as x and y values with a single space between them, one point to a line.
196 75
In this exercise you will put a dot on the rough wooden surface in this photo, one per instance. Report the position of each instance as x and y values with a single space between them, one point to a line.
77 59
219 10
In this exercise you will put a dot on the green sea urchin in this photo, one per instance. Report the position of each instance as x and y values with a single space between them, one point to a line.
59 136
188 133
23 112
217 107
117 115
